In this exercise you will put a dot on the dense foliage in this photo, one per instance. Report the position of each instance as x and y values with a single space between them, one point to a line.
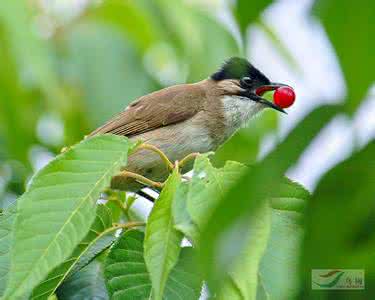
248 232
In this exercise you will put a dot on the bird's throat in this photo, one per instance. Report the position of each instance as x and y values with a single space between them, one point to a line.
238 111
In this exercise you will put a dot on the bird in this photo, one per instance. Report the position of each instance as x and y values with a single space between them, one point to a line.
190 118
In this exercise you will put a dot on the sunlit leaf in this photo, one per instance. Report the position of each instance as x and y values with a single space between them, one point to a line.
6 223
207 187
99 238
256 185
162 240
56 212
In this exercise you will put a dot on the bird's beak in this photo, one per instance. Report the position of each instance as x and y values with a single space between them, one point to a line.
259 91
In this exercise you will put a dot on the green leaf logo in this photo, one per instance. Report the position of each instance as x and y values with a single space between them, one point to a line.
335 274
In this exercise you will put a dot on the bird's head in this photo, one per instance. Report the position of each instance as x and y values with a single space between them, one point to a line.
238 77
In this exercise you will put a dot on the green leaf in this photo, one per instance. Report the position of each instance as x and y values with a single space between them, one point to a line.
125 269
261 292
127 277
279 264
184 281
99 238
207 185
56 212
256 185
203 192
351 23
340 220
6 223
247 12
162 240
182 219
244 271
88 283
196 199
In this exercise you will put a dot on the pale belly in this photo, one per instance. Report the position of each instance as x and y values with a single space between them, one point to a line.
176 141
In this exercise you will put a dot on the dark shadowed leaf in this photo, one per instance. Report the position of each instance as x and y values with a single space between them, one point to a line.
125 269
88 283
127 277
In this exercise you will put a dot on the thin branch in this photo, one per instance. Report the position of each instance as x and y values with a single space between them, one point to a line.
141 179
163 157
127 225
188 158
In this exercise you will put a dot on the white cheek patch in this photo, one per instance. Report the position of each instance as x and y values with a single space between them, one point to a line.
238 111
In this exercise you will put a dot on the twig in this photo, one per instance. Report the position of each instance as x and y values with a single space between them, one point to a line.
163 157
187 158
142 179
128 225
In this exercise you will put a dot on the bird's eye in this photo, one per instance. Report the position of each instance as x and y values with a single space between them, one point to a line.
247 80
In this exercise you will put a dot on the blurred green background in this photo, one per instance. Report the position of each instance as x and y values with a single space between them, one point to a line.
68 66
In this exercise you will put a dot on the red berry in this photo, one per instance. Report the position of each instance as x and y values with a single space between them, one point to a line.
284 97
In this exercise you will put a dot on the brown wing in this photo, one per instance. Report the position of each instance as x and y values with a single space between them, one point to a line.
168 106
